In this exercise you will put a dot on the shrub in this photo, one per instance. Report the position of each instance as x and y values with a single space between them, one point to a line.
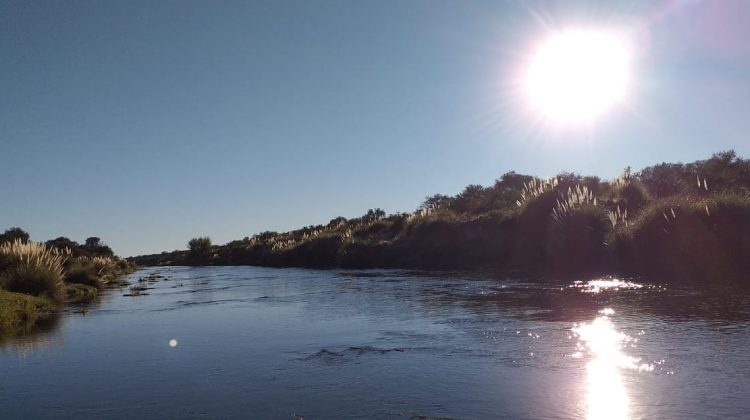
94 271
33 268
575 242
83 271
34 280
632 196
199 250
536 188
688 239
199 246
13 234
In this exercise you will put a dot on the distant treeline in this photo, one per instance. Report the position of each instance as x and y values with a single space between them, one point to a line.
671 221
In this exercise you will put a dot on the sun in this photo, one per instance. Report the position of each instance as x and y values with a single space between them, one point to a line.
577 75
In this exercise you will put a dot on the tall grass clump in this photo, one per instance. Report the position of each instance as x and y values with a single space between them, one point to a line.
94 271
32 268
572 199
618 217
535 188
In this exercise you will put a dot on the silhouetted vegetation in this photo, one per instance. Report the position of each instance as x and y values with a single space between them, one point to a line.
13 234
200 250
671 221
37 277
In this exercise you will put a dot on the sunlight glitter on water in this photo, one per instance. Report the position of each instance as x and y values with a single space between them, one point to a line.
599 285
606 394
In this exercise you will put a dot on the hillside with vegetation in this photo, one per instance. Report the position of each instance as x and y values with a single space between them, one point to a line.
669 222
37 279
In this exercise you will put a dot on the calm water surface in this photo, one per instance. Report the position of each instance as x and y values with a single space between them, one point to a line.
247 342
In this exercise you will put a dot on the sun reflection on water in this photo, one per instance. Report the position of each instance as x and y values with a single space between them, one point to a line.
606 394
599 285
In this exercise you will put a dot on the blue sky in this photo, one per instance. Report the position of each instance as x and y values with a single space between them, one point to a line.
148 123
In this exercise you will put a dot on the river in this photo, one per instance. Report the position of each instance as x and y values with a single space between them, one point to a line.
250 342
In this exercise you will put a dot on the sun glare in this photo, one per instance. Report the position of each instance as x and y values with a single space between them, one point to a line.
577 75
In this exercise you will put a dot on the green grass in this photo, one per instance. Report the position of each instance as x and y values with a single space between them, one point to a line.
20 313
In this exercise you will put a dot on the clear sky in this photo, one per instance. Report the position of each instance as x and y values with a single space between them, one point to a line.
148 123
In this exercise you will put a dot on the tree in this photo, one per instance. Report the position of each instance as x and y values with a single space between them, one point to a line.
94 246
373 215
199 247
337 222
63 243
93 242
14 233
436 202
471 199
666 179
512 180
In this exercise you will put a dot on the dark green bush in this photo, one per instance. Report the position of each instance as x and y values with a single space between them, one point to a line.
703 240
34 280
576 244
83 272
14 233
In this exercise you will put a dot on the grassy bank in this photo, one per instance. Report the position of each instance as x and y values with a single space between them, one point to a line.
37 278
669 222
21 313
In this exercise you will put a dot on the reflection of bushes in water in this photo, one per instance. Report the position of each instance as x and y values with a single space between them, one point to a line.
705 239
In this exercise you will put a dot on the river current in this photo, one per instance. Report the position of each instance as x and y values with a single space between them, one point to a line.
250 342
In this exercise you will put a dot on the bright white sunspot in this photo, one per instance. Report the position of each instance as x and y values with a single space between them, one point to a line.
576 75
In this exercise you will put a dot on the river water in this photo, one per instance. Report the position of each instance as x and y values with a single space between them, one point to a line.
249 342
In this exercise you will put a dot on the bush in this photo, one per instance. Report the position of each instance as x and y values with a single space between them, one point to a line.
83 271
14 234
34 280
199 248
32 268
632 196
680 238
575 244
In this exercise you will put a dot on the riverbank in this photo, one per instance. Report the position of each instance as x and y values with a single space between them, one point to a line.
38 279
669 222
